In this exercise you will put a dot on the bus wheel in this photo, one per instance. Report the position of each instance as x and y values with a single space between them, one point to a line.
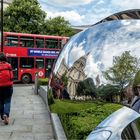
26 78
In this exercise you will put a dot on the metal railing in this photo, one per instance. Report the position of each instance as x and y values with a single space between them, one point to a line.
36 83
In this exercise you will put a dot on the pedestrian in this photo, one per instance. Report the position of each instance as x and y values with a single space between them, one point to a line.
6 88
136 101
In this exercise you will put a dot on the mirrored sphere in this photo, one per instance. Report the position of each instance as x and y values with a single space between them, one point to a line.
90 53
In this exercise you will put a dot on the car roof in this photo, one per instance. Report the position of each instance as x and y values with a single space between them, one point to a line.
115 123
121 118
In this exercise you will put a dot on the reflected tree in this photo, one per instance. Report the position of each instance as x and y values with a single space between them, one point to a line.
86 87
64 79
136 79
123 70
108 92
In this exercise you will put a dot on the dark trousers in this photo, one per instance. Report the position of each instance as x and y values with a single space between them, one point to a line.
5 100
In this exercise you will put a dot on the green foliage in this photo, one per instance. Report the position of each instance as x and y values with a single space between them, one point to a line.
86 87
50 97
65 106
136 79
123 70
58 26
107 92
82 117
42 81
24 16
64 79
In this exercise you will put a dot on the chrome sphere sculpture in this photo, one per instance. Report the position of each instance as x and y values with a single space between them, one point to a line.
89 53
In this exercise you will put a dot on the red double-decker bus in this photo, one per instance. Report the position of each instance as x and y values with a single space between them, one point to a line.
30 53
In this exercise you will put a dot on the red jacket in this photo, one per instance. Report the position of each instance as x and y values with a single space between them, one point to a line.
6 74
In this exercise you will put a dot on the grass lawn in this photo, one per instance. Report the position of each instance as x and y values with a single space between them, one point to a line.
79 118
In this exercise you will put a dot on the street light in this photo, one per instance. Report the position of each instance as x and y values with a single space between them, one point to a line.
1 25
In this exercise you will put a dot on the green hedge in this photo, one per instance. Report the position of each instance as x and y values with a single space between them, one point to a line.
84 119
42 81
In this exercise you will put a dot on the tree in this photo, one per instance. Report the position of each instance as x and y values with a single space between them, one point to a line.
58 26
136 79
123 70
64 79
24 16
107 92
86 87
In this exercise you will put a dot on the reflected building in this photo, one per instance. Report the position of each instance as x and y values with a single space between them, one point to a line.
62 69
75 74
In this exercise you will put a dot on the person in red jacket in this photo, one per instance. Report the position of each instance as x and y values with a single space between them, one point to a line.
6 88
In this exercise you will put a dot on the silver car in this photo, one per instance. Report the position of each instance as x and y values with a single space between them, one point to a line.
124 124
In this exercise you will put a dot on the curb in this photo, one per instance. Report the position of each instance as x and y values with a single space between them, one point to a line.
57 126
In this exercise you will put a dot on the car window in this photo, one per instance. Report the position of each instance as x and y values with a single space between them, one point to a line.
132 131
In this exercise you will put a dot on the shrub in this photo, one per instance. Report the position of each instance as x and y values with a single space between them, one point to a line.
42 81
79 118
50 97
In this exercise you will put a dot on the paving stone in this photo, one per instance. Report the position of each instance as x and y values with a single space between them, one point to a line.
4 136
22 136
15 128
44 136
29 117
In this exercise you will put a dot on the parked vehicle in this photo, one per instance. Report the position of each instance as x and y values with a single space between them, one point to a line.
120 125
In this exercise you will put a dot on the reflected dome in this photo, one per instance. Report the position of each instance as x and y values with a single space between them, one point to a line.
90 53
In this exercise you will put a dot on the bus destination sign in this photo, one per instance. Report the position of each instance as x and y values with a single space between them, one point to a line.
38 52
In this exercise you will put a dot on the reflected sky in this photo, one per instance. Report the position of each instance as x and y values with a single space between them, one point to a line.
100 43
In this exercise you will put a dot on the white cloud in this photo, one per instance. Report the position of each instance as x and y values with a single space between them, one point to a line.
74 55
68 3
71 16
91 69
126 3
86 12
100 2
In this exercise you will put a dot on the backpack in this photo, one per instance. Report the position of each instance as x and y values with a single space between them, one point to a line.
6 74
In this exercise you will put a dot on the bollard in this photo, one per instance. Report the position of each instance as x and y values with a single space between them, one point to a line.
36 83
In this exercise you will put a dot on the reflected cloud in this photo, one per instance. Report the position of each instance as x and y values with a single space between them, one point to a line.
75 53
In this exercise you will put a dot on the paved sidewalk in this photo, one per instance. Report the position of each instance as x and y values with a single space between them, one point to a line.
30 119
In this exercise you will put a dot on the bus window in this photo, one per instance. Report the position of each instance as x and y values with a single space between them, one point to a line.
39 63
27 42
11 41
39 42
60 44
49 64
52 43
26 62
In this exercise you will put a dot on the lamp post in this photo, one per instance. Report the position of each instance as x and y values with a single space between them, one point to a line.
1 25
